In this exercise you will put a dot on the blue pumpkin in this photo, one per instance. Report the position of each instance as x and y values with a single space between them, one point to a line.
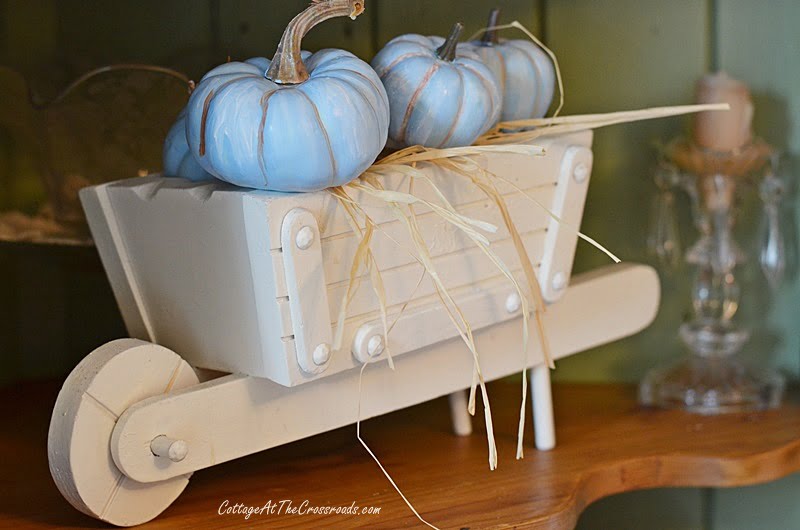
440 95
295 123
178 160
525 73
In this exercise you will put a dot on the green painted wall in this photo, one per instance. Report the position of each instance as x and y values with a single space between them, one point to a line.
643 53
760 43
615 54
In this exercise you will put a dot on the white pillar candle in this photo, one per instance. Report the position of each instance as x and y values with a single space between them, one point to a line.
723 131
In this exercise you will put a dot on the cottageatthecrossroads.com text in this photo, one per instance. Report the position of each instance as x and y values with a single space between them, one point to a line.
287 507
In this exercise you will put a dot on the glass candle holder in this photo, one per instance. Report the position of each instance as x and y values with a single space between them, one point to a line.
714 379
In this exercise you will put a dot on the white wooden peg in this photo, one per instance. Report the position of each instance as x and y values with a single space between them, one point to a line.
544 426
165 447
462 422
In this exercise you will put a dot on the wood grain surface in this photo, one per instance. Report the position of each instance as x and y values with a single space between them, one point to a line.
606 445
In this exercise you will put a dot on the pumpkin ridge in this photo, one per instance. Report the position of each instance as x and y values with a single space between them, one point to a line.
330 59
261 162
414 97
324 134
503 74
368 80
354 92
458 111
207 107
203 121
521 45
405 39
545 73
397 60
535 67
357 91
488 84
359 74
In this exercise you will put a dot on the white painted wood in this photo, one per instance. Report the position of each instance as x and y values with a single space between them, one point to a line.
425 323
523 172
544 427
458 269
193 261
106 236
200 267
559 246
441 237
250 282
106 383
166 447
237 415
459 415
308 294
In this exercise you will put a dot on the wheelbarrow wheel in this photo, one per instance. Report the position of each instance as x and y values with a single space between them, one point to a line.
108 381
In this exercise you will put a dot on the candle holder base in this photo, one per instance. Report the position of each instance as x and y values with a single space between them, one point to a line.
710 337
711 385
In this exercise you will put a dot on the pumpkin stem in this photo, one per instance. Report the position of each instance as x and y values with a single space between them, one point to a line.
490 35
447 51
287 67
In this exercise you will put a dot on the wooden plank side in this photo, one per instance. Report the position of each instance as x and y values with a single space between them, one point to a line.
457 270
515 171
392 245
189 257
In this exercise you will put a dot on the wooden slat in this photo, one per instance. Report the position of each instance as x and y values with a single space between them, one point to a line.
442 238
516 171
482 303
457 269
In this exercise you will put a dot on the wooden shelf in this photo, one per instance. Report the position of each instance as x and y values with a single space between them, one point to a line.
606 445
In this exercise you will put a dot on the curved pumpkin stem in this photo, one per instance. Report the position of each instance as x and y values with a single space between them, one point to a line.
490 35
287 67
447 51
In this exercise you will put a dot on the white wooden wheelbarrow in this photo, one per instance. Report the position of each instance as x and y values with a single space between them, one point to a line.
249 283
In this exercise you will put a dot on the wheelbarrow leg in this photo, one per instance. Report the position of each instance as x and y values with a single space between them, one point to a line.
462 422
542 403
